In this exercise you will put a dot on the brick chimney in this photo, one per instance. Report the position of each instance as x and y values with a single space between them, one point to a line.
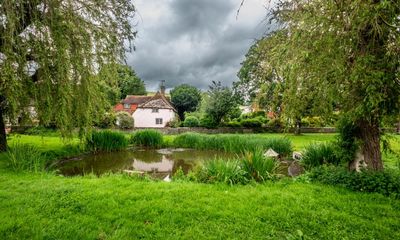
162 87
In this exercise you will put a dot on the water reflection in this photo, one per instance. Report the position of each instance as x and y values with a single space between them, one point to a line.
161 161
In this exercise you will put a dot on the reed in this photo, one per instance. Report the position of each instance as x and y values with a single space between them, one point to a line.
105 141
258 167
25 157
147 138
232 143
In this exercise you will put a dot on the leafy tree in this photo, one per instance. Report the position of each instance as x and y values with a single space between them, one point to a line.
185 98
344 52
129 82
50 52
222 102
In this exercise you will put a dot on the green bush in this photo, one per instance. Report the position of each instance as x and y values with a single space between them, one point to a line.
108 120
174 123
346 141
258 167
25 157
125 121
275 123
383 182
106 141
42 131
232 143
318 154
251 123
220 170
208 122
191 121
147 138
233 124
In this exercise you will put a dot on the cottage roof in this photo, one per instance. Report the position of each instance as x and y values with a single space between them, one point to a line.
157 101
136 99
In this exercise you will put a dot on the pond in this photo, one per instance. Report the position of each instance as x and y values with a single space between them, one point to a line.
159 162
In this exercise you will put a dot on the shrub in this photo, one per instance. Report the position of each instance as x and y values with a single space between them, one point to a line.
233 124
147 138
191 121
383 182
346 141
106 141
208 122
124 120
174 123
25 157
251 123
319 154
108 120
275 123
258 167
219 170
42 131
232 143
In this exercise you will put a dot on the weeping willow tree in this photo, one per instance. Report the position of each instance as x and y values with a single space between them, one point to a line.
50 54
342 51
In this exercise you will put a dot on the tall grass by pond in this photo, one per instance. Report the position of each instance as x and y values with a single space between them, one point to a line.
105 141
232 143
147 138
252 166
25 157
318 154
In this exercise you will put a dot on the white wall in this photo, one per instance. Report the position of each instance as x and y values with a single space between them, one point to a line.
144 117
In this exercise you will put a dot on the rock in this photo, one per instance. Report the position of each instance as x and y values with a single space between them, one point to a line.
271 153
297 155
295 169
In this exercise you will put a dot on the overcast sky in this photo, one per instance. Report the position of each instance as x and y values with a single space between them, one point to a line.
194 41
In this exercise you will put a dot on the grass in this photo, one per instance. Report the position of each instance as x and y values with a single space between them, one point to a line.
106 141
233 143
147 138
118 207
45 206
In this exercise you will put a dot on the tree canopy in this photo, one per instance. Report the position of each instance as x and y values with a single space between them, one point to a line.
342 52
129 82
51 52
222 101
185 98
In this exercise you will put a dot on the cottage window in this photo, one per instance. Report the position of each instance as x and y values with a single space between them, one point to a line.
127 106
154 110
159 121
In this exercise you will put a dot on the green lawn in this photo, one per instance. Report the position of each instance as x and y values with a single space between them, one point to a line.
46 206
117 207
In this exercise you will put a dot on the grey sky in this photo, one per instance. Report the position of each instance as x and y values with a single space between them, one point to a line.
194 41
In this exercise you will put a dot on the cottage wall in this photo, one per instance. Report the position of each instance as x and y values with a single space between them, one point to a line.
144 117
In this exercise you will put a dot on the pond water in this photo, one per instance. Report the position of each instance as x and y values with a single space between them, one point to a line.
160 162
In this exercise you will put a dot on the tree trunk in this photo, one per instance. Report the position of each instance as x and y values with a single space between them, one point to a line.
3 136
371 148
297 130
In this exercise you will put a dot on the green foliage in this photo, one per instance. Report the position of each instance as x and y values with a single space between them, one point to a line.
258 167
222 101
191 121
62 46
318 154
25 157
208 122
42 131
105 141
232 143
125 120
275 123
233 124
347 140
384 182
185 98
251 123
108 120
223 171
147 138
129 83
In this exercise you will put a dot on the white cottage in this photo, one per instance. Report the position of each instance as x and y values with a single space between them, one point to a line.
154 113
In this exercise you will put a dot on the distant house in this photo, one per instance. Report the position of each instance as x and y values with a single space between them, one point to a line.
148 111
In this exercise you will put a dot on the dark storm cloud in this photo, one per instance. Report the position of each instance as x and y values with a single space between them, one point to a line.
193 41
